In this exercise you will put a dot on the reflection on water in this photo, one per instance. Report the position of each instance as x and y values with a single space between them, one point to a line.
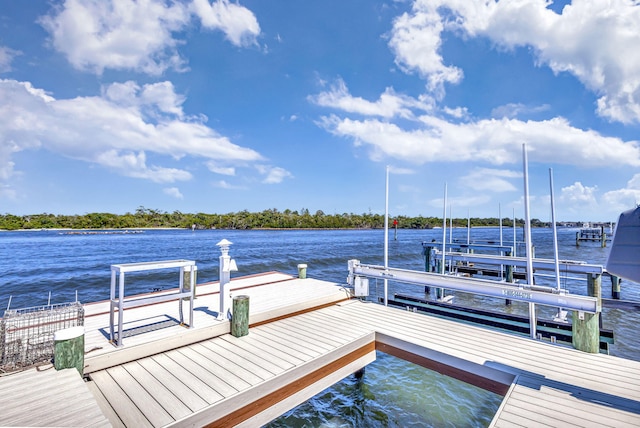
395 393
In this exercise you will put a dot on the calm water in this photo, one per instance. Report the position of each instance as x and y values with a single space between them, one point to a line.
392 392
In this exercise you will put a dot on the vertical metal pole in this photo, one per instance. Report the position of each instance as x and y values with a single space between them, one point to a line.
501 253
444 228
120 307
555 232
468 227
386 237
527 229
450 235
112 296
515 232
450 225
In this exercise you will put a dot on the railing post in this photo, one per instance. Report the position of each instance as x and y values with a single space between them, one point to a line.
226 266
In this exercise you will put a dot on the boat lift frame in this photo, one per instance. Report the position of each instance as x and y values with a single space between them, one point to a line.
567 266
519 292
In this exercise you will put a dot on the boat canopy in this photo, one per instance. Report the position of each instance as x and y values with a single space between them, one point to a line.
624 258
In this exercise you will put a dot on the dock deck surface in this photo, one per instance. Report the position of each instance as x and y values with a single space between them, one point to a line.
302 341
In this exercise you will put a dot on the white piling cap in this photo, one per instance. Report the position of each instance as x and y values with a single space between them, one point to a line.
224 243
68 333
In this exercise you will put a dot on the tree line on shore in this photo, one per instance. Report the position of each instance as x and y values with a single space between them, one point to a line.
267 219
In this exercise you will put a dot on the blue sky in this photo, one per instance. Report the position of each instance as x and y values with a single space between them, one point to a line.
200 106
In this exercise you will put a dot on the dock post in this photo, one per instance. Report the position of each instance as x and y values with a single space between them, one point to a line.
603 237
68 349
426 252
509 276
240 318
585 326
577 239
302 271
615 287
226 266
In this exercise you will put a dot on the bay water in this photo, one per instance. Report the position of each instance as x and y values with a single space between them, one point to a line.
52 266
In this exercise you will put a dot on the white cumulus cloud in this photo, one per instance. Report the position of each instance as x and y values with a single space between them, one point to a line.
139 35
238 23
595 41
114 130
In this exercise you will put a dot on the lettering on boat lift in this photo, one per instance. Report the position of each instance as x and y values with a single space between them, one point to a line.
521 294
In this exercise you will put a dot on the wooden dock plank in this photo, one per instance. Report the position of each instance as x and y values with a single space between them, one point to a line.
105 406
313 343
282 343
143 400
236 382
24 395
121 403
249 353
288 354
239 359
192 400
231 366
190 380
164 395
202 373
567 411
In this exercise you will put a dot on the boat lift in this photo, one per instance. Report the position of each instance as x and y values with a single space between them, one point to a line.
520 292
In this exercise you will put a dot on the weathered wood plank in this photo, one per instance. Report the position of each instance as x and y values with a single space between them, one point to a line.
143 400
202 373
230 378
567 410
162 394
193 382
192 400
272 365
224 362
127 411
105 406
282 343
238 358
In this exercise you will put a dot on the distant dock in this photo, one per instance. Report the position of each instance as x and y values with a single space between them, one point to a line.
592 234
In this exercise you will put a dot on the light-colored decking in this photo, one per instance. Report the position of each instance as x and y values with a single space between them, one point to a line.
48 398
194 377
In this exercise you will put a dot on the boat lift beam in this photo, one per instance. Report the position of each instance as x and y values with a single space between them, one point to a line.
566 266
519 292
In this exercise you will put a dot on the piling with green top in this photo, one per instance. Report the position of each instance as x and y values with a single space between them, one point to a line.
302 271
240 318
68 349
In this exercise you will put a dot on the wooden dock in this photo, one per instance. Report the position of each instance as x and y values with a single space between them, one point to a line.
305 336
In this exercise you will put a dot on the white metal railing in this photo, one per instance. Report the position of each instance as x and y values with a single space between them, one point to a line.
519 292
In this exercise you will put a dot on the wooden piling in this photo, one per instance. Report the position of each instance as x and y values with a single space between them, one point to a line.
509 276
240 318
586 326
615 287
